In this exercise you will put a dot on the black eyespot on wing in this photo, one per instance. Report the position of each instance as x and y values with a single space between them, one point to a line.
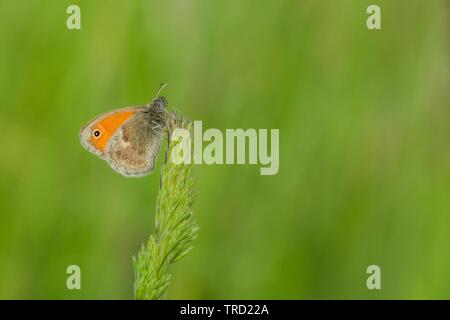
96 133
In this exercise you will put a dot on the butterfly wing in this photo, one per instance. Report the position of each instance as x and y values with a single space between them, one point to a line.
132 150
106 125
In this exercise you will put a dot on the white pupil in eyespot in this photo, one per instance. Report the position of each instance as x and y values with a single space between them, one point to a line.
96 133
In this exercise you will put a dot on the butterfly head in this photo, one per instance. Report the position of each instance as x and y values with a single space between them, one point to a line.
157 114
159 102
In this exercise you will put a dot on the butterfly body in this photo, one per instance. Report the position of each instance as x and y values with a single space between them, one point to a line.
128 139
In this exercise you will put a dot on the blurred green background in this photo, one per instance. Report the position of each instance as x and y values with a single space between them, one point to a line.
364 154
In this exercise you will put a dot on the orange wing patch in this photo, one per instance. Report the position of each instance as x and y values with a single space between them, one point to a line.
108 126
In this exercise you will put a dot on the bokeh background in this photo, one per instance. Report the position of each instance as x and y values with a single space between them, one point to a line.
364 146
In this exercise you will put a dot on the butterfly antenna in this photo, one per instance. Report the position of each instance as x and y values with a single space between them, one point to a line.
161 88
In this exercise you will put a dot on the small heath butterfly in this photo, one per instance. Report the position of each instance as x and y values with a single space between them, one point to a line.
128 139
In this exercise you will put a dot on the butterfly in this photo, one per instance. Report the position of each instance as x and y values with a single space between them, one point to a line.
129 138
